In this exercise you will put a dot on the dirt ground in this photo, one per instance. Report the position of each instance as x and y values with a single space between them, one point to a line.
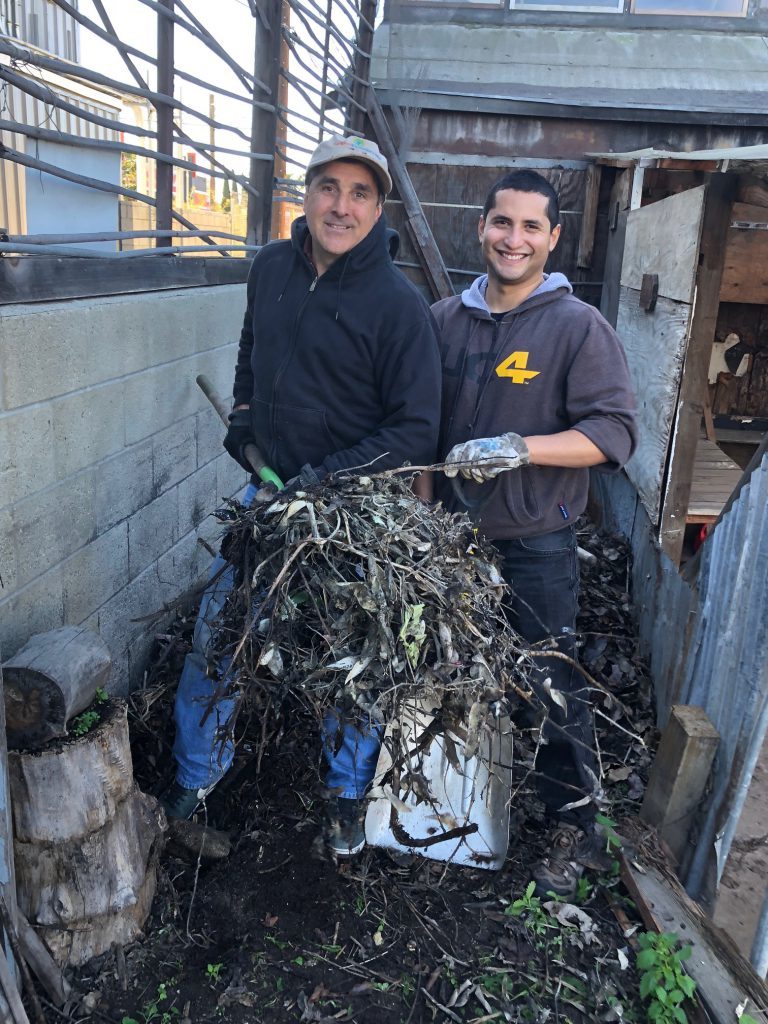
278 932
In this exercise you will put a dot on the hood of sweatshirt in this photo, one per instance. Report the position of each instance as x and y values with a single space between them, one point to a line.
553 286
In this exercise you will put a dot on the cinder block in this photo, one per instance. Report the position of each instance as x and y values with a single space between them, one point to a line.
197 498
210 436
27 457
53 524
87 427
152 530
35 608
123 484
8 571
231 478
57 348
185 564
95 573
174 454
123 618
49 442
160 397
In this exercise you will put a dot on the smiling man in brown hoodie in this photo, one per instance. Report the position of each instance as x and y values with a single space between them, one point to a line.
535 391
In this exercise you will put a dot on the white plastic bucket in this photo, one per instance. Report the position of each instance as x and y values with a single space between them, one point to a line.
461 793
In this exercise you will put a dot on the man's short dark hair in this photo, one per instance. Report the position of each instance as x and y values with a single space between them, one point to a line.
311 174
526 181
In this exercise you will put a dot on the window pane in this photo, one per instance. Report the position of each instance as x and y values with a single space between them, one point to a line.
568 5
733 7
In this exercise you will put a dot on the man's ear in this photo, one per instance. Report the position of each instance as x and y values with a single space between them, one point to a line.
554 236
480 229
379 208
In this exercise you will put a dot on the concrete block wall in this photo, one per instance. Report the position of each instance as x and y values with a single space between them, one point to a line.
111 461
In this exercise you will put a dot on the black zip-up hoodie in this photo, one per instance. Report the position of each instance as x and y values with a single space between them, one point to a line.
551 364
340 371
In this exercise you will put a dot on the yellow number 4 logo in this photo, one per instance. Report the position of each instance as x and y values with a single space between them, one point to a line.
514 367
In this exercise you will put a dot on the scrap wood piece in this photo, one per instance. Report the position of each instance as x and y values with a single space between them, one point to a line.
17 1014
724 979
39 958
423 239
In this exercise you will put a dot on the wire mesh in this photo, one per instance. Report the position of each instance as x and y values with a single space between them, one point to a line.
81 113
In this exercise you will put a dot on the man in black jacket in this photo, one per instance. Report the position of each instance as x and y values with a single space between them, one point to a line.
337 368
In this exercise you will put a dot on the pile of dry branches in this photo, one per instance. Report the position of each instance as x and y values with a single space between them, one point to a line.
361 595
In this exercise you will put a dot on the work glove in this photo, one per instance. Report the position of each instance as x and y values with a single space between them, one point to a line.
239 434
485 457
305 479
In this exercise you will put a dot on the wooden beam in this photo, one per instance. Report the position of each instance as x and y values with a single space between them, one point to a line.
589 217
690 409
361 67
267 26
679 775
636 195
424 241
724 979
164 171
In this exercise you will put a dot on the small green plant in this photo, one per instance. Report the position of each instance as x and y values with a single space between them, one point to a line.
212 972
529 908
151 1010
85 722
101 697
663 982
583 891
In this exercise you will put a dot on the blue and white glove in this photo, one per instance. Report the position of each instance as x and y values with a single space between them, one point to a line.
485 457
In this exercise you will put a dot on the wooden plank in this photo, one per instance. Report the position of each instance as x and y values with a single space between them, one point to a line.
48 278
427 251
654 344
724 979
679 775
589 218
745 274
618 205
662 239
685 436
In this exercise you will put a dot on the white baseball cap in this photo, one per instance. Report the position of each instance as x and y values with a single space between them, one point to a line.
353 147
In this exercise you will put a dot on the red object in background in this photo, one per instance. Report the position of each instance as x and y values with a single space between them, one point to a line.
701 536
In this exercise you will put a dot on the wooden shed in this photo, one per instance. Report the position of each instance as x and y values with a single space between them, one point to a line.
686 284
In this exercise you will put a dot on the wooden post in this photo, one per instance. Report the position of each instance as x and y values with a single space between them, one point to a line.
679 775
7 873
690 407
163 170
361 67
264 122
589 217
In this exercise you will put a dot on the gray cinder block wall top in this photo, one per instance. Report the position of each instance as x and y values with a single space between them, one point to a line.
110 461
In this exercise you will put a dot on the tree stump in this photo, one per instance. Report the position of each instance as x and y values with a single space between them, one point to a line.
53 677
86 841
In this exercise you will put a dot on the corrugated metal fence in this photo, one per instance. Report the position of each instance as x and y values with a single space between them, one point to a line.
726 669
710 648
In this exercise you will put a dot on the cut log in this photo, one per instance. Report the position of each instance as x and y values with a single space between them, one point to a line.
73 789
86 841
53 677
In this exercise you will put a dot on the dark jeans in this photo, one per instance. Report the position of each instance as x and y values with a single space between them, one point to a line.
543 573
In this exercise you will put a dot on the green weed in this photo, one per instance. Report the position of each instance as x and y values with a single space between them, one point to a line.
663 982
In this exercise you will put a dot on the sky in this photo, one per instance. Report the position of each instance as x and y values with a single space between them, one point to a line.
229 21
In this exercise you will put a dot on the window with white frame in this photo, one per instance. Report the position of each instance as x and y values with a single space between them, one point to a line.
713 8
607 6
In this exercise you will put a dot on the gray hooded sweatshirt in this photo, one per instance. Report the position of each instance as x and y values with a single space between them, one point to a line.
551 364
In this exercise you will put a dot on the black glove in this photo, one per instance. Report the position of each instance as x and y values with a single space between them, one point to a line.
303 481
239 434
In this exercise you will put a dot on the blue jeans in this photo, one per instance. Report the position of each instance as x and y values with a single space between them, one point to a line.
204 750
543 573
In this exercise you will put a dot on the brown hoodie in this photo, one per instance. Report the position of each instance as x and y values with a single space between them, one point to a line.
552 364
